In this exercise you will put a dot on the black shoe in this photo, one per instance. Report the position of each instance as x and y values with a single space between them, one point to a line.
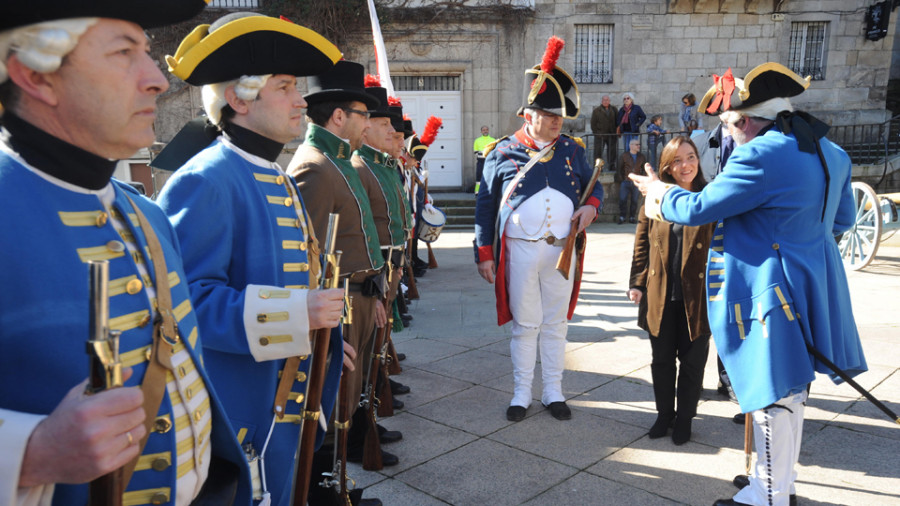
661 426
621 220
388 436
632 220
419 271
681 433
398 404
398 388
742 480
401 357
356 455
559 410
729 502
722 390
407 317
405 323
739 418
357 500
515 413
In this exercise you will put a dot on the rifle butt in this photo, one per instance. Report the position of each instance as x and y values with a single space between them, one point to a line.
564 264
413 292
393 362
107 490
385 397
372 451
432 261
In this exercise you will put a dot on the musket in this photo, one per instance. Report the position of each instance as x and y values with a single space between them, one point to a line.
105 371
564 263
372 460
432 261
385 396
316 378
338 478
413 292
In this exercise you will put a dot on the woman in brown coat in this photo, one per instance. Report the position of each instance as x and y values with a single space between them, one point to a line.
667 281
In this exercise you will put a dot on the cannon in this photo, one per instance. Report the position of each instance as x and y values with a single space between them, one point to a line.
874 215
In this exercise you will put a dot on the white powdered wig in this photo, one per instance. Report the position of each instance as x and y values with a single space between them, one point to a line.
246 88
768 109
42 46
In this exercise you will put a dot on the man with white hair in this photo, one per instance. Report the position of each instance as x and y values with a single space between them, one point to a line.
79 88
250 250
775 280
537 183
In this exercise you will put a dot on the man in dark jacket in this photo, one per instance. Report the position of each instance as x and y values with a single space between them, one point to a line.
603 126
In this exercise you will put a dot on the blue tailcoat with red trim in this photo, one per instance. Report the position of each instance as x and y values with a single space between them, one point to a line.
567 171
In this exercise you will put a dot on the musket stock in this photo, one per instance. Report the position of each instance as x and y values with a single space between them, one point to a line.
105 372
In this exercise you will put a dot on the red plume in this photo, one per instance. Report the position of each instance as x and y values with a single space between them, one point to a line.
432 125
551 54
406 117
372 81
394 101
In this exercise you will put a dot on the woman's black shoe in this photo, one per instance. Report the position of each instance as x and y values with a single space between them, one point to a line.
661 426
682 432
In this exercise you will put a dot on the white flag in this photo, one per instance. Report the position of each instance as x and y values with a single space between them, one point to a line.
384 72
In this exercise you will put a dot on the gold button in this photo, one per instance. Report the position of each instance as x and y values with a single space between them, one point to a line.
137 257
144 321
198 415
182 371
652 272
573 183
102 218
189 393
302 246
134 286
160 464
264 341
303 357
300 398
775 246
699 245
520 185
701 275
279 180
288 202
304 267
262 317
147 353
159 498
297 223
162 424
301 376
115 246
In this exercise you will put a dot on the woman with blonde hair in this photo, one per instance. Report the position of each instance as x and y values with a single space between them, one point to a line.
667 282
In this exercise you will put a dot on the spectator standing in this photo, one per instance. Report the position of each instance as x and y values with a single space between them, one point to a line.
478 146
629 119
668 259
656 136
688 112
603 126
631 162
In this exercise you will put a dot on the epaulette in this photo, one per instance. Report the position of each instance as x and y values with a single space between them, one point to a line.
490 147
577 140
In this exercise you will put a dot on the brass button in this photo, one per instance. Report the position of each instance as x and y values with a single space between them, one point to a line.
162 424
115 246
288 202
304 267
573 183
653 272
148 353
159 498
301 376
102 218
300 398
264 341
138 258
279 180
134 286
144 321
189 393
701 275
262 317
302 246
160 464
699 245
297 223
198 415
303 357
775 246
182 371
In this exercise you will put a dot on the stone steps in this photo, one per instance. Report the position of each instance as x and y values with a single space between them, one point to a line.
458 207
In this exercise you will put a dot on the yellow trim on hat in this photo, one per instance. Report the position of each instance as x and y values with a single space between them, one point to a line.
542 77
776 67
200 43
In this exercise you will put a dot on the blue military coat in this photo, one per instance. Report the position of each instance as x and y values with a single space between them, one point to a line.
565 169
775 279
51 233
238 226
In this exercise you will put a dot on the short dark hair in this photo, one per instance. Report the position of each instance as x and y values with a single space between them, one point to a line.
655 117
320 113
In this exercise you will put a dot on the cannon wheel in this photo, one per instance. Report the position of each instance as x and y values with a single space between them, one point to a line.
859 244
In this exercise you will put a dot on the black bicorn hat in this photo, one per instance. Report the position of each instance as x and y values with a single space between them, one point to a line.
146 13
243 44
767 81
343 82
548 86
397 119
374 88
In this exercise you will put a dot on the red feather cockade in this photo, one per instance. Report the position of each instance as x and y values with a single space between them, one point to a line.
372 81
724 88
432 125
551 54
394 101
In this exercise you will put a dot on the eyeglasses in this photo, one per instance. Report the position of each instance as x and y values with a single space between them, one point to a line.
364 114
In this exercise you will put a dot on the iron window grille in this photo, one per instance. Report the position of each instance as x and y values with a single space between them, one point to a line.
234 4
807 56
593 53
425 83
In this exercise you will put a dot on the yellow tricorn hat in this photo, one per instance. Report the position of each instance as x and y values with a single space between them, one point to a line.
766 81
241 45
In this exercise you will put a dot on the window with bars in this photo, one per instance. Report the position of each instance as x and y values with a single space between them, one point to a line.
234 4
425 83
807 56
593 53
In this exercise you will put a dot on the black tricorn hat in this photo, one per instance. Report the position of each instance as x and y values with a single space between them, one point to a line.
146 13
343 82
548 85
767 81
379 94
242 44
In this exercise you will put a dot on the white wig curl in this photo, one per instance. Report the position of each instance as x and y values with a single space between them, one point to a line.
768 109
42 46
246 88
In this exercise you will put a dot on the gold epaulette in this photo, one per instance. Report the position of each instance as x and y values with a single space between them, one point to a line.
490 147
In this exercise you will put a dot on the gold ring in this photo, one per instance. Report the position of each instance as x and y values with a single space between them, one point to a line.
130 439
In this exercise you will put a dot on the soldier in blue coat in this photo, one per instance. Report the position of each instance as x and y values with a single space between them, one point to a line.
775 280
535 184
79 90
251 254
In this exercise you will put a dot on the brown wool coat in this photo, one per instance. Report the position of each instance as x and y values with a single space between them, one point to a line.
380 211
649 266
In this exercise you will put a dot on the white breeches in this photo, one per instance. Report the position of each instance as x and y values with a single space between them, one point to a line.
777 433
539 300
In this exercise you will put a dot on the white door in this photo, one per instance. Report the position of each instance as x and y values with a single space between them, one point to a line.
444 158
